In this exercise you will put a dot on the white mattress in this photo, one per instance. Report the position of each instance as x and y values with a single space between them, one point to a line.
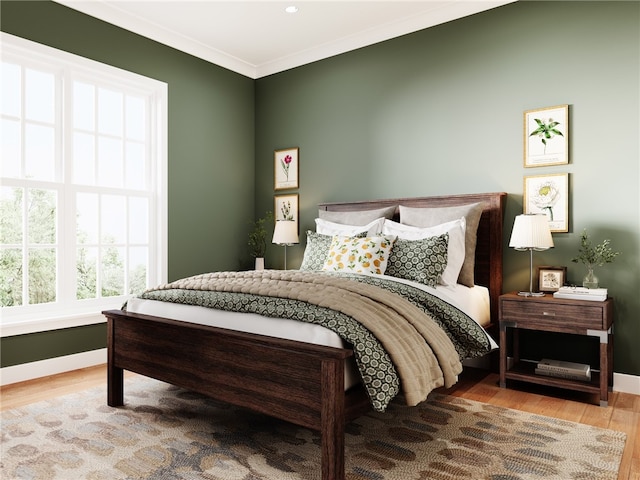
473 301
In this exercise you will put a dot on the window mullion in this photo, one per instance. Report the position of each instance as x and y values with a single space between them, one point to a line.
99 253
154 180
65 226
125 183
25 246
23 143
23 169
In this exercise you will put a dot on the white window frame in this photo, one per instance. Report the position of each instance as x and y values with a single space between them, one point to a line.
68 312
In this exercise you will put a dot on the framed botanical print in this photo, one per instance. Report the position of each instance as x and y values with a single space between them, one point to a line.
546 136
285 168
286 207
550 279
549 195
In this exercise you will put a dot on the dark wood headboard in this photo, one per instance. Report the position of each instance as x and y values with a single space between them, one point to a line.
488 262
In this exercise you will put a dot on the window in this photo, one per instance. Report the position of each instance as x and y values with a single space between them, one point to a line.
83 187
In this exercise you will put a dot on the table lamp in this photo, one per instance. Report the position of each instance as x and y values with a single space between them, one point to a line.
285 233
531 232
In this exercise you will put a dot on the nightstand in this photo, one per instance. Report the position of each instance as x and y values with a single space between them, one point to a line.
549 314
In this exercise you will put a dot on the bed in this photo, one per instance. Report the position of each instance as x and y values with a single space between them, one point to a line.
300 382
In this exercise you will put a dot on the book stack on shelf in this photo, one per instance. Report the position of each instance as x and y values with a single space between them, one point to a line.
560 369
581 293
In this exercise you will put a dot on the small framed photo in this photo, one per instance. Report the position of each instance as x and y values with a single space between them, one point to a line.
286 207
550 279
285 168
546 136
548 194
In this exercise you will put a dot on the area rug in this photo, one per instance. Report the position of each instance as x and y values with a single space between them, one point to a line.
164 432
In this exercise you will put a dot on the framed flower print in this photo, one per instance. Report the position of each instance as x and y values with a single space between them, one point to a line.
285 168
548 194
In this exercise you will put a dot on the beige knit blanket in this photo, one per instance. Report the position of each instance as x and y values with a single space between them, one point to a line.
420 350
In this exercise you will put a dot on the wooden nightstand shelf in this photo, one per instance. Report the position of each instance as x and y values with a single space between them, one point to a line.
548 314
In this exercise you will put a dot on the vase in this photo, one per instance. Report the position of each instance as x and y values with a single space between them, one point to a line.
590 280
259 263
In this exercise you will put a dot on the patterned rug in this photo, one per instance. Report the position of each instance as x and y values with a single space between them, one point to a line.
165 432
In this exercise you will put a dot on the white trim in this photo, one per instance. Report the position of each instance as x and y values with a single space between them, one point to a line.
111 14
623 382
448 12
54 58
108 11
52 366
67 311
52 323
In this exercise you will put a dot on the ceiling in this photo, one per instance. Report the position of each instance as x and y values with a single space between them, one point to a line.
258 38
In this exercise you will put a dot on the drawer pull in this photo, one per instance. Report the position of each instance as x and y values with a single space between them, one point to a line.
549 314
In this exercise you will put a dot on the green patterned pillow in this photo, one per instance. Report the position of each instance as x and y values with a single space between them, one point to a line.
421 261
316 251
368 255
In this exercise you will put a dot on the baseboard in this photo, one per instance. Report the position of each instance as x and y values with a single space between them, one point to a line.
623 382
52 366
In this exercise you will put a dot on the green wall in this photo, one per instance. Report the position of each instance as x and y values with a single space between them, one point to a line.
211 149
440 111
435 112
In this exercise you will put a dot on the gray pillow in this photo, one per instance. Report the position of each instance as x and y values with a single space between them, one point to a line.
430 217
421 261
361 217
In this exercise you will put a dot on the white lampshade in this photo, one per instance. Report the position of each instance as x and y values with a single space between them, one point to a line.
285 232
531 231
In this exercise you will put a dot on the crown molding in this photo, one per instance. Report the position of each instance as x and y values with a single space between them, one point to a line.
110 13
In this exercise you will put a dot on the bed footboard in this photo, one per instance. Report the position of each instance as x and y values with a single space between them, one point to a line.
298 382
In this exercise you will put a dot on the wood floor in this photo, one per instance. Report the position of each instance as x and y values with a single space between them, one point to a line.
623 412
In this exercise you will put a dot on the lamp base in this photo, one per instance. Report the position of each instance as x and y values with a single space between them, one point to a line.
531 294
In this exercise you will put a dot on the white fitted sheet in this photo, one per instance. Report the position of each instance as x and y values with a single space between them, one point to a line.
473 301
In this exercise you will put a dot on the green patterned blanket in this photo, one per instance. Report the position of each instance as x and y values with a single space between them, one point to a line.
364 311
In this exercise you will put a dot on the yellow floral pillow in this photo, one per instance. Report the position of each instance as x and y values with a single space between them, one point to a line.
367 255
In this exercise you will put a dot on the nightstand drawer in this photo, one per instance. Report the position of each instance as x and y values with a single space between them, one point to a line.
540 314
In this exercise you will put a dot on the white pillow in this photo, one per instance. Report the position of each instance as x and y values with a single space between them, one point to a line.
366 255
455 250
325 227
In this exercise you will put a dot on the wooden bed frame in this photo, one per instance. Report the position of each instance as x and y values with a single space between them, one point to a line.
298 382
